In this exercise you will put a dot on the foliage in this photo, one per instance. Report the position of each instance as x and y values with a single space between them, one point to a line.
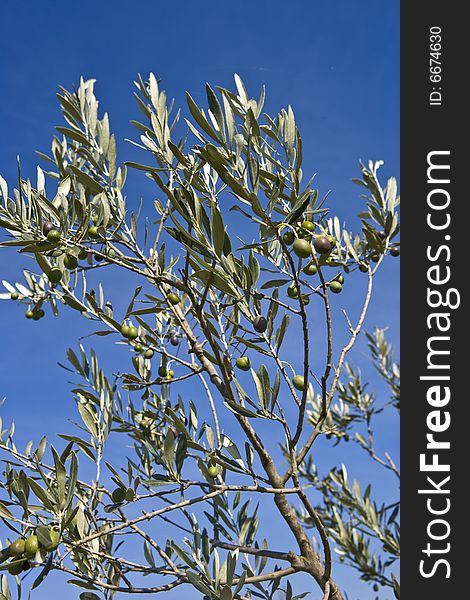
205 298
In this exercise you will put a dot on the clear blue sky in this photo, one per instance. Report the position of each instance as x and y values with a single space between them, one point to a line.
335 63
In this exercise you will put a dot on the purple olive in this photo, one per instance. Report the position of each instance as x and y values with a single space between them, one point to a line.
260 324
47 226
322 244
174 340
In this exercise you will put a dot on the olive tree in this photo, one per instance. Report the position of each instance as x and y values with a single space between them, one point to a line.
219 418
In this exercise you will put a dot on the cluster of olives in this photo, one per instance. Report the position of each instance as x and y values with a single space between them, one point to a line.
130 332
121 494
53 236
302 247
165 373
22 550
292 293
35 314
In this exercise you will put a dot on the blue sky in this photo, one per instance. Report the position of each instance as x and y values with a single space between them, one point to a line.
335 63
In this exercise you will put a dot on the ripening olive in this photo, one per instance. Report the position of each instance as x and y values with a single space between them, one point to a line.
15 569
302 248
162 371
16 548
303 234
119 495
322 244
174 340
382 235
363 268
288 237
47 226
395 251
70 261
54 275
260 324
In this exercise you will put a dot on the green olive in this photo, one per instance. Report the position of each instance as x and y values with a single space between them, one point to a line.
14 295
335 287
302 248
308 226
299 382
149 353
53 534
173 298
31 545
53 236
29 314
243 363
133 333
213 471
93 232
332 240
292 291
310 269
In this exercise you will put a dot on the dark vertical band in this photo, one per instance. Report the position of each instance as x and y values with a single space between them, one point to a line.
435 435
